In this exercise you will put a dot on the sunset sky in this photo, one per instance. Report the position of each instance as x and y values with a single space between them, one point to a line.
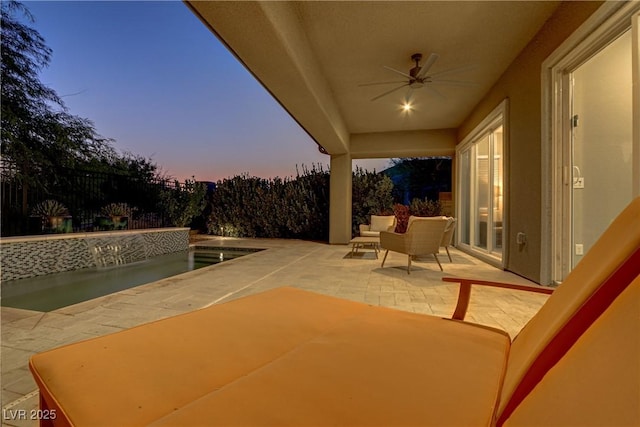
151 76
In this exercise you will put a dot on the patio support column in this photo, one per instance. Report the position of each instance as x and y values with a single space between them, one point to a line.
340 199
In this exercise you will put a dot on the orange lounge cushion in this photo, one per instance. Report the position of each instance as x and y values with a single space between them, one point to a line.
597 382
283 357
618 243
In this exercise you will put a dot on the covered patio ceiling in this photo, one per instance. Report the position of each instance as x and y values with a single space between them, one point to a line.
313 57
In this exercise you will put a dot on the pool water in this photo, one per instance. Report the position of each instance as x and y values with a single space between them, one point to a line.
53 291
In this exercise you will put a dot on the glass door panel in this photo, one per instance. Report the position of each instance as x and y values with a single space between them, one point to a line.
498 194
481 195
601 164
465 196
482 192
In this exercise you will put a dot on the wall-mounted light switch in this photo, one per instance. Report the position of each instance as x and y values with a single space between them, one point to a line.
579 249
521 238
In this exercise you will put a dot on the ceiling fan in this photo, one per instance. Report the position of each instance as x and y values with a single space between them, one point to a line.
418 77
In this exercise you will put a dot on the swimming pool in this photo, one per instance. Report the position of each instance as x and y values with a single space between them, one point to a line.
53 291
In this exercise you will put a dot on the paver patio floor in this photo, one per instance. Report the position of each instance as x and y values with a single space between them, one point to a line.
318 267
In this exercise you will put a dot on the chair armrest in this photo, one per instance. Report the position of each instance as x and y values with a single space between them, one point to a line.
465 291
364 227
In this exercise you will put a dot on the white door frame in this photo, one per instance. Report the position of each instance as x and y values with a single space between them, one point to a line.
608 22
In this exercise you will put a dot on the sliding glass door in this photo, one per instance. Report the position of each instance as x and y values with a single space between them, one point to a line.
481 195
464 193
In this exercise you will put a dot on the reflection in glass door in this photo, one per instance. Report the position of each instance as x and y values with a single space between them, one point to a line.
481 203
497 191
465 196
482 192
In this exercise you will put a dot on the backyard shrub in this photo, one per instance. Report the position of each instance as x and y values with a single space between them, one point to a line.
183 202
298 207
115 209
372 195
245 206
295 207
425 207
50 208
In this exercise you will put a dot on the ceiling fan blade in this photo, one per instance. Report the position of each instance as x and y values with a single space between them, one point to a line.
454 83
407 97
454 70
427 65
381 83
434 91
390 91
399 72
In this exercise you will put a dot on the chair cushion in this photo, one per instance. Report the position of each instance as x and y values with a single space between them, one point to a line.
282 357
382 223
413 218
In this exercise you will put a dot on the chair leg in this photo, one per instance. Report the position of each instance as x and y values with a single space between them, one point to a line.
448 254
409 265
385 258
438 261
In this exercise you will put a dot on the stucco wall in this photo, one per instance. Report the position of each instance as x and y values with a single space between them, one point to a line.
417 143
521 83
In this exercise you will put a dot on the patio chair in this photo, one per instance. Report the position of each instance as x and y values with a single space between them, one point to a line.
293 357
378 223
447 237
423 237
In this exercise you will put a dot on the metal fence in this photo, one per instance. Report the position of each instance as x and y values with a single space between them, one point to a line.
84 194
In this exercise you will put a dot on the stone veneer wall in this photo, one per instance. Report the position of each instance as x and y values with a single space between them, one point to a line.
29 256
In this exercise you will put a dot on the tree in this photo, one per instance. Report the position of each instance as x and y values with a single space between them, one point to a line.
47 151
419 178
38 134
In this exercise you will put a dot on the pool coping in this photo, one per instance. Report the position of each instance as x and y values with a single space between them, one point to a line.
87 234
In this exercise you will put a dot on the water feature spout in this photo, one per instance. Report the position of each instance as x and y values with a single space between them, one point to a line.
117 249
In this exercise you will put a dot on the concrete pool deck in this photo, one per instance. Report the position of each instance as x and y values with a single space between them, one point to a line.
318 267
